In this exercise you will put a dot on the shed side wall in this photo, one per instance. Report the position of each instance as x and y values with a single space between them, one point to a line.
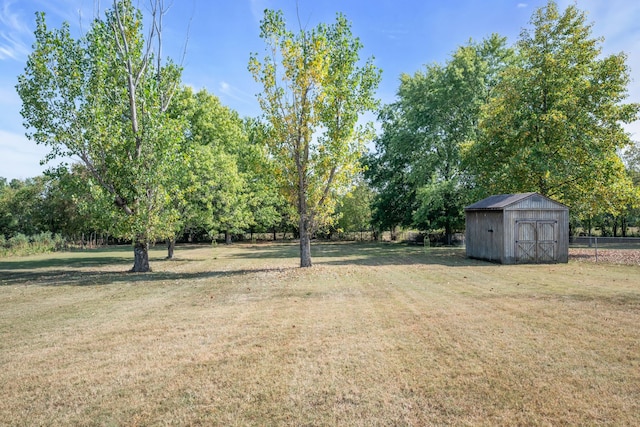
480 242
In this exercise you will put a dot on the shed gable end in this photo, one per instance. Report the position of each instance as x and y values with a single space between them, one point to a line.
536 202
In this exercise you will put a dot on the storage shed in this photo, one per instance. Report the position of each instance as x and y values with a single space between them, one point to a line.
517 228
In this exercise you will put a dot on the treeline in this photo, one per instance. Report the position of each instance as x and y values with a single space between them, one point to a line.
159 162
57 211
544 115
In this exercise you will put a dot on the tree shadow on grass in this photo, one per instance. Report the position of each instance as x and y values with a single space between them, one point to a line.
90 268
103 278
88 258
366 254
265 250
66 262
101 266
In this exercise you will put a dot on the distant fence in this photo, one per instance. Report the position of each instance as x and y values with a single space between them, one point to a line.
618 242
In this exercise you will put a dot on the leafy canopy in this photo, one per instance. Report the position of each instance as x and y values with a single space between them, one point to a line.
103 99
313 95
554 123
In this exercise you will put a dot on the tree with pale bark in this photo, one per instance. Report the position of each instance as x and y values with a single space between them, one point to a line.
314 92
103 99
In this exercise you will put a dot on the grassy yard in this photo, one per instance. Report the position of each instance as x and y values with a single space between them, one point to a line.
371 335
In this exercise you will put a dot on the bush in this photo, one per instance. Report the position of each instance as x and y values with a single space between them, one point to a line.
21 244
58 242
18 243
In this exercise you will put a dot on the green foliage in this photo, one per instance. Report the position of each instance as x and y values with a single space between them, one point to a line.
21 244
395 194
417 170
554 122
211 188
73 208
314 93
159 160
23 207
631 157
58 203
268 206
440 206
18 243
46 242
103 99
354 211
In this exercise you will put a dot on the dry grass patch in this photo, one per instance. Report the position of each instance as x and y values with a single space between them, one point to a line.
371 335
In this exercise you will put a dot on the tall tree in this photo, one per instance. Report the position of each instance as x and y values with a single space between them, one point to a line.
103 99
21 207
443 107
436 114
211 186
388 173
354 210
267 205
314 93
632 160
554 124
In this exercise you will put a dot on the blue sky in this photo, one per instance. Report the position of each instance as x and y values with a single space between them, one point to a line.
402 35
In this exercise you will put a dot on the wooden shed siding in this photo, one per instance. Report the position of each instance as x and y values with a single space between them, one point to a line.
541 224
480 242
534 202
510 218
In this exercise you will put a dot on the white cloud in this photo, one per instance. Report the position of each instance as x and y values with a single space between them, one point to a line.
395 33
232 92
522 5
20 156
11 19
257 9
616 21
14 33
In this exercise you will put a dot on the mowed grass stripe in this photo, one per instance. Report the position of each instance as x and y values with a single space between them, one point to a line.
371 335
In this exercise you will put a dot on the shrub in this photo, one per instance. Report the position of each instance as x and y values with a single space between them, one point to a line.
21 244
18 243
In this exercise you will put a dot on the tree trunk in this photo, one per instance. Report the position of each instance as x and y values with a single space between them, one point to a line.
171 246
141 257
227 237
305 243
448 231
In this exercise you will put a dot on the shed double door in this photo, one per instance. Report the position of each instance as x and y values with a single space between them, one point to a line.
536 241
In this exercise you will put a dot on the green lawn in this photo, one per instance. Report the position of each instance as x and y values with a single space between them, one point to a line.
373 334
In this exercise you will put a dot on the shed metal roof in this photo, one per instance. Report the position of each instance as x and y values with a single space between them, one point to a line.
501 201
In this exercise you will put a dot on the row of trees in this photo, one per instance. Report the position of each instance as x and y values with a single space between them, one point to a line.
545 115
60 205
158 160
220 182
